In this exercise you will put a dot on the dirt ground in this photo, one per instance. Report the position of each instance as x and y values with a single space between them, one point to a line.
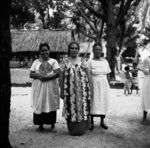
126 129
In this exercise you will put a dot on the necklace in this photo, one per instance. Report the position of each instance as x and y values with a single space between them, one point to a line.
76 61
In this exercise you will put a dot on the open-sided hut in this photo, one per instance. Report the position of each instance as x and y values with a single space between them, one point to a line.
25 44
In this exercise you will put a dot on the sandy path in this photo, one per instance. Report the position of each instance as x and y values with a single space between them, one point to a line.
125 127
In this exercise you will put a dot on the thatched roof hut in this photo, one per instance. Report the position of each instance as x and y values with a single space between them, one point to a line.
29 40
25 43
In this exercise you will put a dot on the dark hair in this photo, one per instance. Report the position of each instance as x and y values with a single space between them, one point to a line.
97 44
134 64
70 44
127 68
43 44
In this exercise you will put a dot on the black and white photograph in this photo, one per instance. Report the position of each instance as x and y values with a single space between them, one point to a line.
75 74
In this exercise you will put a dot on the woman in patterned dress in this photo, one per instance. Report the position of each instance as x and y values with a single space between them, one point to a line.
98 69
75 91
45 88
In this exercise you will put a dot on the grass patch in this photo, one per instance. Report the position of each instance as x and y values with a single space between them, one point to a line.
20 76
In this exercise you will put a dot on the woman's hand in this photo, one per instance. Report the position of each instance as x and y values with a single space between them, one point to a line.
38 76
49 77
35 75
43 78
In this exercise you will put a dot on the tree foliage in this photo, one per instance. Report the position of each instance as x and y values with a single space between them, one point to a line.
114 15
87 23
30 10
142 13
20 13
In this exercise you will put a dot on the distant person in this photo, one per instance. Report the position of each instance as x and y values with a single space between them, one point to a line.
146 88
75 91
45 88
128 81
98 71
119 61
140 72
134 73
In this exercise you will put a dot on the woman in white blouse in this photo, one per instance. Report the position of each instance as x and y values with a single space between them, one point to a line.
45 89
98 70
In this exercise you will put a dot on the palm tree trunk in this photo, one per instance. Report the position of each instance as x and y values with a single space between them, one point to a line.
5 83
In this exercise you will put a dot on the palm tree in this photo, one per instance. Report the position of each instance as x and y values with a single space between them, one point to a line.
130 37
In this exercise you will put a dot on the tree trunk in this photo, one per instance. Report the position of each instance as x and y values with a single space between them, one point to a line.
122 28
111 50
5 83
111 38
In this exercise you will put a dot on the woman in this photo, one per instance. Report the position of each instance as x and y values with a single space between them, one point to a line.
134 73
45 88
98 69
75 91
119 60
145 88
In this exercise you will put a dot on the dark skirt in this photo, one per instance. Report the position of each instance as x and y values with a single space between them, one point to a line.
77 128
44 118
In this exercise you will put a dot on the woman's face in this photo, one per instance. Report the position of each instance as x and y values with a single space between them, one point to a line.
74 50
97 51
44 52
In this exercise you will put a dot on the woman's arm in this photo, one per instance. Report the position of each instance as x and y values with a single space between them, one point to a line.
145 67
61 83
108 78
34 75
88 71
52 76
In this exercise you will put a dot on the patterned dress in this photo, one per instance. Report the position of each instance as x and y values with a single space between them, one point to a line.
76 92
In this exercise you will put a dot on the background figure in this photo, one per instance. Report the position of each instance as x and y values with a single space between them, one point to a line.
75 91
98 70
146 88
140 73
119 61
45 88
128 81
134 73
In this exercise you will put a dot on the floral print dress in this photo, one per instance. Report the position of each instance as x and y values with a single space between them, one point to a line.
76 90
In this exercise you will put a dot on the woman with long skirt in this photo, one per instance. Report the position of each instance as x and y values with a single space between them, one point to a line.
75 91
45 88
146 88
100 90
